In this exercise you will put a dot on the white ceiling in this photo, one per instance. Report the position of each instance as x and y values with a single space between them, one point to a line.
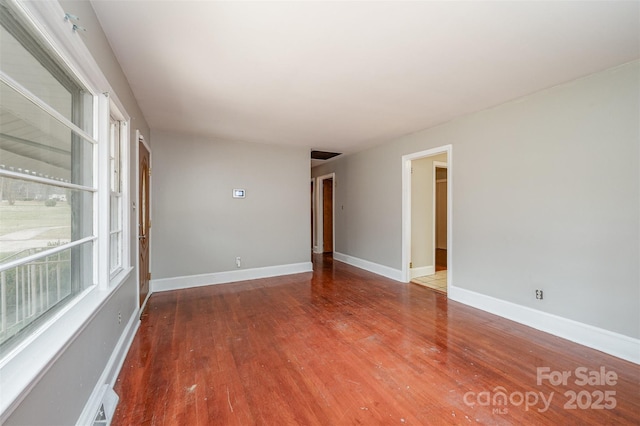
343 76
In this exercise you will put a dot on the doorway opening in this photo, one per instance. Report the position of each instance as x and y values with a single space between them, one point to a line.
325 229
426 218
313 216
440 207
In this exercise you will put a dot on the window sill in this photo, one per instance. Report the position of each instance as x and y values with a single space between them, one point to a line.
120 276
22 368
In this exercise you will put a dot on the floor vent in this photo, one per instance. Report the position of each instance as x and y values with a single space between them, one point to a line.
107 407
101 417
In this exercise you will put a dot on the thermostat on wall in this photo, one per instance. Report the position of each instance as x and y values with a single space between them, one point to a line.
238 193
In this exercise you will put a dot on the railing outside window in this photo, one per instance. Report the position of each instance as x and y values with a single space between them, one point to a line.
29 290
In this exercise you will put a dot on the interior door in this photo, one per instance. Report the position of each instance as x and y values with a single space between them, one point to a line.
327 215
144 224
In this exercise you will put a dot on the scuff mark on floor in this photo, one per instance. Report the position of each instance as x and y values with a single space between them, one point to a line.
229 400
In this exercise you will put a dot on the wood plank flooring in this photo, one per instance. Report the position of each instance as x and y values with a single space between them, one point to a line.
342 346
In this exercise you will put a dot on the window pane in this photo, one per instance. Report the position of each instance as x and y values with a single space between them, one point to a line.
28 64
35 216
114 251
114 155
29 292
115 213
34 143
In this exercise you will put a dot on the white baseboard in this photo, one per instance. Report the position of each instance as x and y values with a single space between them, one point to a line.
618 345
109 375
422 271
385 271
144 303
177 283
122 348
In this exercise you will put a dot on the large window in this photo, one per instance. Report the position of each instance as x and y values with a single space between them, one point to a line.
48 152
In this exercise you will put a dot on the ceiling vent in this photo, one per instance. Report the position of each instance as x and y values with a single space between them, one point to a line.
323 155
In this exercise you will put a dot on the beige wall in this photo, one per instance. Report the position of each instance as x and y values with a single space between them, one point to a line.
198 228
546 194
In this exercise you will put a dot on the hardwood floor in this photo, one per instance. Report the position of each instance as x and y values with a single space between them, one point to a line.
342 346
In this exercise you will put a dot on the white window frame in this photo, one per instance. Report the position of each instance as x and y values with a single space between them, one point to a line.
24 365
116 113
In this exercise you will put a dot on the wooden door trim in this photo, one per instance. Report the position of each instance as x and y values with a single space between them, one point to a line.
140 139
319 248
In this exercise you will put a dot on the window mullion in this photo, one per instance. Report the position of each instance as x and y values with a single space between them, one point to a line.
43 106
48 252
102 221
125 193
46 181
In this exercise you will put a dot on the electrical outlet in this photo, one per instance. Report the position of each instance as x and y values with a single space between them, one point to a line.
238 262
539 294
119 318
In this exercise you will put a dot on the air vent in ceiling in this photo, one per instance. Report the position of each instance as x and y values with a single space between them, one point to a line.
323 155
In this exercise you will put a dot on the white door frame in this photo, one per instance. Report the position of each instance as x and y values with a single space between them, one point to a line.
319 248
406 208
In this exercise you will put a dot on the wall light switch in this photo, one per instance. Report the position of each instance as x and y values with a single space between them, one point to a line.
238 193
